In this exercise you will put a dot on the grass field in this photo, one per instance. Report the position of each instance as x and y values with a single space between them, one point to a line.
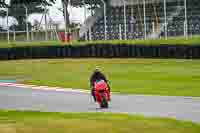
176 40
32 122
136 76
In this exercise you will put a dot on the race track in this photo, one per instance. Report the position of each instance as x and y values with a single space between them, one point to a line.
183 108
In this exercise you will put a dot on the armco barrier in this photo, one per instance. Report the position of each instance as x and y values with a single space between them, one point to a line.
102 51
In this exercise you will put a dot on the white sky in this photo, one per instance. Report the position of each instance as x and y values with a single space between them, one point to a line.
76 14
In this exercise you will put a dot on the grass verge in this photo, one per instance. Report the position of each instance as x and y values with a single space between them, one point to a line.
31 122
170 77
170 41
4 44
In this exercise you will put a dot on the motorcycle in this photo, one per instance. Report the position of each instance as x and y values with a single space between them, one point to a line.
102 93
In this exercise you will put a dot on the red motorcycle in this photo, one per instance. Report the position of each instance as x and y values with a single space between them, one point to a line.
102 93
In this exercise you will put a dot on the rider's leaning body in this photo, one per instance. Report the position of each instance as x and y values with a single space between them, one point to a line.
97 75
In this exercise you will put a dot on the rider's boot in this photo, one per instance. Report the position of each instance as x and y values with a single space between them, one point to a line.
93 95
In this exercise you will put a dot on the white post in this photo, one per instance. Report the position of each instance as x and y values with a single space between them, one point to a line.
145 27
14 35
70 30
153 27
120 32
90 34
165 15
51 29
90 28
105 20
27 30
85 17
8 31
45 16
32 34
54 28
186 25
184 32
125 27
133 20
65 15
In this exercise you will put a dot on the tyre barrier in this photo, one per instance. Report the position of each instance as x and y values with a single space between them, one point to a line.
102 51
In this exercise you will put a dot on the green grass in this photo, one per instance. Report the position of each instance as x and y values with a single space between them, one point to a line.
4 44
176 40
32 122
170 77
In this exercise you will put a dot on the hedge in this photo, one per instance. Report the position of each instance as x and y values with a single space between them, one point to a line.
102 51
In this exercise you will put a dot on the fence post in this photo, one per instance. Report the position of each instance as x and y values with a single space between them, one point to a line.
85 22
32 34
165 15
8 32
153 27
65 15
186 22
14 35
45 17
51 29
105 20
120 32
145 27
125 27
27 30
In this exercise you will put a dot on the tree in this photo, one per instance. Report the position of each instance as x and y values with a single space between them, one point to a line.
3 15
18 11
3 3
65 4
77 3
28 2
36 24
80 3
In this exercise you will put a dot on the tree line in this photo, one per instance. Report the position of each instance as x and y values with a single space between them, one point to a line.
16 9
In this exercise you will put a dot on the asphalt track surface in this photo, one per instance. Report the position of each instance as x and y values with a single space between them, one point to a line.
182 108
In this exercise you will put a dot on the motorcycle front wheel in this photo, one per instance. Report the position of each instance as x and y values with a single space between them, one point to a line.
104 103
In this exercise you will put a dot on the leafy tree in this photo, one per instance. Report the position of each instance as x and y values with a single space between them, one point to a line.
78 3
18 11
65 4
2 12
3 3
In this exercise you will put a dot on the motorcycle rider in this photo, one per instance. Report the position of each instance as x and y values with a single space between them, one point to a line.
97 75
